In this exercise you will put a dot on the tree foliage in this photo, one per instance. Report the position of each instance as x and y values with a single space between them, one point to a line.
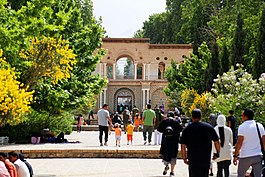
52 47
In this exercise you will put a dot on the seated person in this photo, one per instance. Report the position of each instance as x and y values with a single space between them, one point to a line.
51 138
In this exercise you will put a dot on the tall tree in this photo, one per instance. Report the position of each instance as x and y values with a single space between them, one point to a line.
259 62
224 60
238 45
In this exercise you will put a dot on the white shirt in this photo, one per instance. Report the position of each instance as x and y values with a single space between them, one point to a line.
103 115
227 149
3 170
251 143
22 169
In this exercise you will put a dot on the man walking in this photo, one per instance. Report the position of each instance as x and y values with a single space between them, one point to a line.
248 148
197 137
232 124
103 123
149 119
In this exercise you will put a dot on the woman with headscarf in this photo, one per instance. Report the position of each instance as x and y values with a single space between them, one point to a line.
226 141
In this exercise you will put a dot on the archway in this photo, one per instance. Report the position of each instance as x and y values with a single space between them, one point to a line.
123 98
125 68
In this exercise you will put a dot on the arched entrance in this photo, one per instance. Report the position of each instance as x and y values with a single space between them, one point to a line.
123 98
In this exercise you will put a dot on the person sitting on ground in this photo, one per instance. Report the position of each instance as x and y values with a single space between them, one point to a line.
10 166
22 169
51 138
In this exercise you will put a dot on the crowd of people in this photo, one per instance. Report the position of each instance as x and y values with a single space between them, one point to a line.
13 164
201 143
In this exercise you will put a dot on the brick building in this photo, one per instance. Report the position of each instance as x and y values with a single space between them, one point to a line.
134 69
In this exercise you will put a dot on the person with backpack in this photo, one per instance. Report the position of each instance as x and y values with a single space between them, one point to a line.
171 129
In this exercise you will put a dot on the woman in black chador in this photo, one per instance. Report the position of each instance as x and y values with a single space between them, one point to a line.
171 129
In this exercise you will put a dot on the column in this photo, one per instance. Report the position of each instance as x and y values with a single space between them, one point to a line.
135 71
100 99
147 95
105 69
143 71
148 69
143 99
100 69
114 71
105 95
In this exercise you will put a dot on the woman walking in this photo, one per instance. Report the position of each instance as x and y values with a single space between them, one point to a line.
226 141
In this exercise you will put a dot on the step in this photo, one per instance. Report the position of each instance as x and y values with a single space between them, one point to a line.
86 128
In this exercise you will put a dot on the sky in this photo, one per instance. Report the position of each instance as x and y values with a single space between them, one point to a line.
122 18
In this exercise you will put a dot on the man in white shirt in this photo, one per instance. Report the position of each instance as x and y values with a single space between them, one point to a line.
248 149
103 123
22 169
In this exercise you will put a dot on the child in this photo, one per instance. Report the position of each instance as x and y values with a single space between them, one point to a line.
117 134
79 123
129 129
137 122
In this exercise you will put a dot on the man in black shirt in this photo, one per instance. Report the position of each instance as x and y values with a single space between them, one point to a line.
197 137
232 124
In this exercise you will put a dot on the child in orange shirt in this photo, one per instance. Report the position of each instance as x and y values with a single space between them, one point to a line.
117 134
129 129
137 122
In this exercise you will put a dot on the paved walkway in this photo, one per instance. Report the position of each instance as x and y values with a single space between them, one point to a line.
100 167
107 168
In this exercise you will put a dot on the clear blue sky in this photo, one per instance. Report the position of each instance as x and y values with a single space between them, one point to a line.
121 18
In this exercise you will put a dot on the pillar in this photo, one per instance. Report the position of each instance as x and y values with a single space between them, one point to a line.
135 71
143 71
105 69
114 71
143 99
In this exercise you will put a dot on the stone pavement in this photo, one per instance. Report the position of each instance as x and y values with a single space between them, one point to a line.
135 160
107 167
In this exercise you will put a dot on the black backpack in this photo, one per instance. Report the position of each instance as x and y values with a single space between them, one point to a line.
168 132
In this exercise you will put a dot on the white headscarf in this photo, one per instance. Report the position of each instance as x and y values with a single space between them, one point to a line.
221 120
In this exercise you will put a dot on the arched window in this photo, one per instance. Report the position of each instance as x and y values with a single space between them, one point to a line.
161 70
125 68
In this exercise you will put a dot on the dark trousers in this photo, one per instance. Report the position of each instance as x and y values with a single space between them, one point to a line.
198 171
223 165
149 130
104 129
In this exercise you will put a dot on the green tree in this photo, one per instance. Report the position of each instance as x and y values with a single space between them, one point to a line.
190 74
259 62
238 48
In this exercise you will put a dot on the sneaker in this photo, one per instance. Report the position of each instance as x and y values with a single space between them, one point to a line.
149 143
101 144
145 142
165 170
128 143
105 144
172 174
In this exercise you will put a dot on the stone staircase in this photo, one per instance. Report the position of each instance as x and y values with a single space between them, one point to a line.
92 126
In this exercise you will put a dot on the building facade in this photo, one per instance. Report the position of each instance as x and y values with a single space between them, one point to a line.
134 69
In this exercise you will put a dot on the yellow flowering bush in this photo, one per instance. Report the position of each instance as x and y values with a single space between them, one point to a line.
14 100
49 58
190 100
